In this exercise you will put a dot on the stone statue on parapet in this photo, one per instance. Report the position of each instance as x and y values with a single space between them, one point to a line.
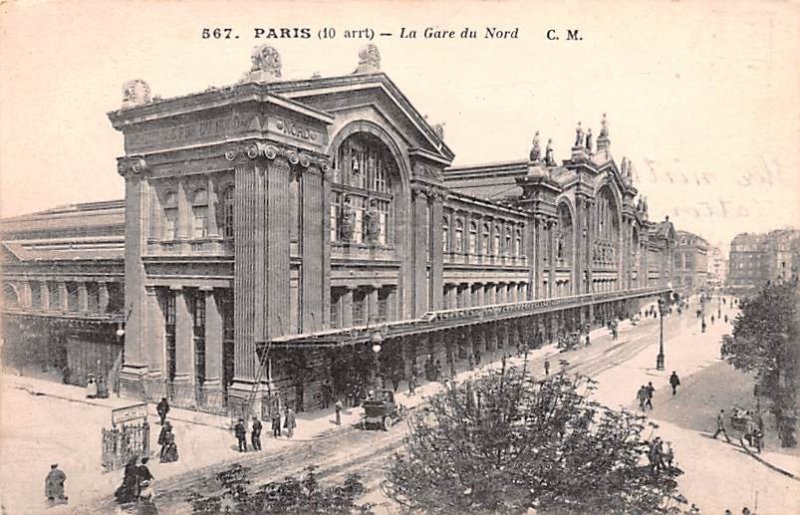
135 93
589 140
536 151
623 170
579 136
369 60
266 59
439 130
629 173
604 127
372 222
549 160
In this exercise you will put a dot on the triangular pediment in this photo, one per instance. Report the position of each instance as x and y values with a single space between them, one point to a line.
339 96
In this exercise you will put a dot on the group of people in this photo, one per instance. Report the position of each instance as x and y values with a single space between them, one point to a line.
166 439
137 486
289 420
645 396
660 455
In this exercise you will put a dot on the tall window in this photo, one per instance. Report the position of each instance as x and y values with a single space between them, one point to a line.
54 296
336 308
508 250
170 216
383 304
446 235
458 238
363 172
200 214
36 295
227 213
359 307
496 250
199 324
473 238
73 297
518 244
169 333
486 242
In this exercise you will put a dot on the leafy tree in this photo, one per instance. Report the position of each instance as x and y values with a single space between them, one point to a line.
504 443
292 495
766 340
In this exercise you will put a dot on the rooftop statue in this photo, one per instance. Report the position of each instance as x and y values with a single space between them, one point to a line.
536 151
369 60
589 140
266 59
135 92
604 126
549 160
579 136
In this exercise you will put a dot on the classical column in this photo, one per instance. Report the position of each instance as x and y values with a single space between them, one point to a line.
346 300
63 297
372 302
155 343
83 297
420 236
589 244
436 251
213 199
551 258
214 351
102 297
479 300
452 293
466 295
315 219
184 349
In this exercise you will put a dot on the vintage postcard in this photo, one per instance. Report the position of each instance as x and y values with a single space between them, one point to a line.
399 257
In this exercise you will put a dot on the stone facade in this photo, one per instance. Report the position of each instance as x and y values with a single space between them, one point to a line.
691 263
284 233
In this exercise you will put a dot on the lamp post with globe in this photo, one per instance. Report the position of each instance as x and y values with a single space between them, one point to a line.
376 337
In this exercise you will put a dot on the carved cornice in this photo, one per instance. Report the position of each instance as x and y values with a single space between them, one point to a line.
272 151
131 166
428 190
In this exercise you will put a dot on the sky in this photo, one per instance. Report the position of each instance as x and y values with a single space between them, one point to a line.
703 97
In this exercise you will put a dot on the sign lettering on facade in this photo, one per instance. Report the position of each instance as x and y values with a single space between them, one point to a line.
128 413
293 129
185 132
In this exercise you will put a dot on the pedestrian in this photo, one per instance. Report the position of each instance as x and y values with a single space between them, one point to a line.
674 382
477 358
290 422
546 366
703 326
650 390
255 435
337 408
412 383
91 387
471 361
147 504
276 422
437 370
162 409
166 429
641 395
712 319
142 474
725 318
588 340
327 392
128 491
169 453
721 426
397 376
54 486
241 435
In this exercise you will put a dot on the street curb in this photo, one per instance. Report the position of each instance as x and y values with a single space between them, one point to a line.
768 464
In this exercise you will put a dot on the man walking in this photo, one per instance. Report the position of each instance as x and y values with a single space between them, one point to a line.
290 422
276 422
641 396
255 435
674 382
327 392
166 429
54 486
546 367
721 426
162 409
650 390
338 407
241 435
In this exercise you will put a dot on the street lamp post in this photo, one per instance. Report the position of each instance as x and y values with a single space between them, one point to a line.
660 357
377 340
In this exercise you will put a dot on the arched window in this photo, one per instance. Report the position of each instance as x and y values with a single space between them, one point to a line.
228 213
10 297
170 216
473 238
459 237
200 213
486 243
518 244
497 238
365 173
509 248
446 235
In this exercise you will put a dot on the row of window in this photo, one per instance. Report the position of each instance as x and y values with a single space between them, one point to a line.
48 296
497 243
359 306
199 214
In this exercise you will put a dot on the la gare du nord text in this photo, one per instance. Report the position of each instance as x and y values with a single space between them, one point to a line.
405 33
